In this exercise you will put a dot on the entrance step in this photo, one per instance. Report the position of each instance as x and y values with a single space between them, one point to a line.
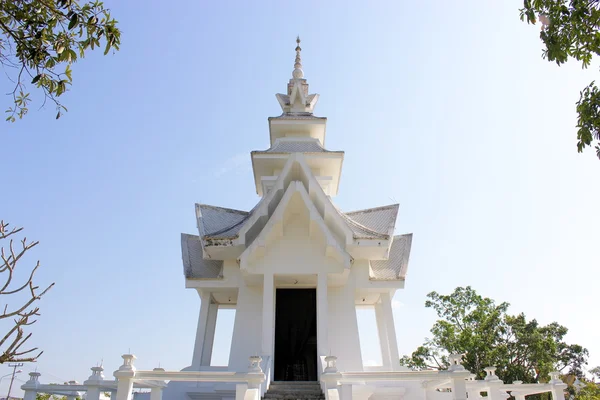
294 390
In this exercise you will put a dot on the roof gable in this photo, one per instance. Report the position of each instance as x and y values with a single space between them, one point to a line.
259 245
294 169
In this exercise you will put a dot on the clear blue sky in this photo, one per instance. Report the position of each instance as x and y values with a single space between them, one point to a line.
444 107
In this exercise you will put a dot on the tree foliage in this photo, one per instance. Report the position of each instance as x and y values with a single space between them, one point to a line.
40 39
48 396
591 391
488 336
570 29
25 295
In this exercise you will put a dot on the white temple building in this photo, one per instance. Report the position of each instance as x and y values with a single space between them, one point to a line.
296 268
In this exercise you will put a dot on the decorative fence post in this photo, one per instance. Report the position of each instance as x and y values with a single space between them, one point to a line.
330 378
157 391
458 383
558 386
29 388
125 375
494 384
93 383
251 390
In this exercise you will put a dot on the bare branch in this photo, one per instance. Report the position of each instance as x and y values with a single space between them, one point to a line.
13 341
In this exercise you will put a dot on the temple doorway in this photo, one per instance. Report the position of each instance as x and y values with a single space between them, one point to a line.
295 335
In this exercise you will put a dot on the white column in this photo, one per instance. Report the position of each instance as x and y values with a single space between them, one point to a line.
558 393
201 330
268 314
459 389
155 393
558 386
29 394
345 391
209 334
124 388
93 393
125 375
383 336
29 388
240 391
386 304
322 316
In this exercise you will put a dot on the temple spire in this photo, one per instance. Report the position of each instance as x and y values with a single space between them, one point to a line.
298 73
297 99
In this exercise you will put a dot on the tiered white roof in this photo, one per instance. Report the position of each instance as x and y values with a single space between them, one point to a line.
297 164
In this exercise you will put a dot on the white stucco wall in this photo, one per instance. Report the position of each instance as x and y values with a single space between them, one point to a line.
247 329
343 327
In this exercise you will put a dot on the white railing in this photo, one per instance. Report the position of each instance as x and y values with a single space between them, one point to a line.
456 383
248 384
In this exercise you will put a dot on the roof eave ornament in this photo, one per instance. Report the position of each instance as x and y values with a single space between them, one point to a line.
297 100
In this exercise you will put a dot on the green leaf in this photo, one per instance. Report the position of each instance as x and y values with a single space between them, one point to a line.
37 78
73 21
58 115
68 72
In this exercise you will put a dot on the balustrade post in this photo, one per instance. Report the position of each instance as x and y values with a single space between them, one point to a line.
251 389
125 375
330 378
29 388
458 383
558 386
93 383
157 391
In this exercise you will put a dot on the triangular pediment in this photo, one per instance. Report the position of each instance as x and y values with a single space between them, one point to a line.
364 234
295 169
296 216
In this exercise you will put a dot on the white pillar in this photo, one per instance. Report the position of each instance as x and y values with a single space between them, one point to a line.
268 314
29 388
383 336
345 391
93 393
322 316
124 388
209 334
155 393
558 386
244 392
125 375
29 394
386 305
459 389
201 330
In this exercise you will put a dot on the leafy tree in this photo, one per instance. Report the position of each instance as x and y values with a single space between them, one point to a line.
570 29
591 391
24 294
40 39
595 372
47 396
488 336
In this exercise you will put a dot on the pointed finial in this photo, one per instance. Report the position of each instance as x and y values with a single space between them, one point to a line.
298 73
